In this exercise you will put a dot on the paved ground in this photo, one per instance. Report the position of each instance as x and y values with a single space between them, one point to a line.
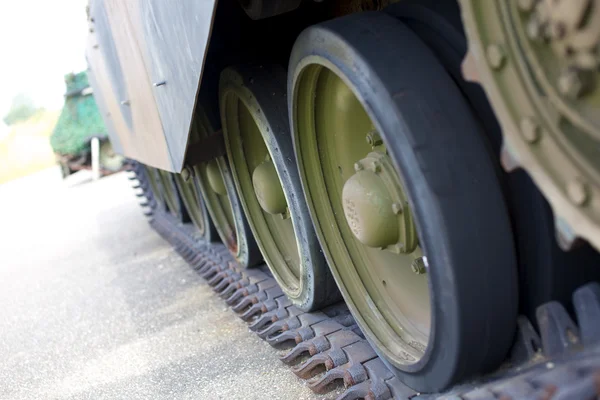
95 305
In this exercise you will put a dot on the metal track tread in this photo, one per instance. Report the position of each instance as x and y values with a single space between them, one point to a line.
327 348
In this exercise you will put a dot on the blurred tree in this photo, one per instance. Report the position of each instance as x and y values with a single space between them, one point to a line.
21 109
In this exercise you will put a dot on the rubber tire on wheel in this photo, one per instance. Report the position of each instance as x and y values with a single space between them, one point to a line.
546 272
261 91
191 198
438 150
172 197
235 234
156 186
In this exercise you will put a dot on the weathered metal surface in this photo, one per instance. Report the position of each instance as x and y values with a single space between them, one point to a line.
147 58
327 348
537 62
106 98
175 35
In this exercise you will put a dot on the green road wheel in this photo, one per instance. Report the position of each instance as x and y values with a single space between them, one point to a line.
545 271
191 197
156 185
405 199
260 150
214 181
170 194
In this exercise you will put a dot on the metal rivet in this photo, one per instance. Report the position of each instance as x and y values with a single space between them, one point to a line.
570 84
397 208
530 130
374 139
534 28
578 192
495 56
286 214
526 5
418 266
375 167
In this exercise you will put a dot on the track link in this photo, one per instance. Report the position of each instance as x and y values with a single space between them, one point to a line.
327 349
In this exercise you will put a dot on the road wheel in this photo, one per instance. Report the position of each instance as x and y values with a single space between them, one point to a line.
259 147
156 185
546 272
405 199
215 182
191 197
171 196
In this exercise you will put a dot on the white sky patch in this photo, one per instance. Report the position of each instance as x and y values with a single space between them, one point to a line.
40 42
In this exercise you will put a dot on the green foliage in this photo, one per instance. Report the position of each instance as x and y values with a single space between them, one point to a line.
79 119
21 109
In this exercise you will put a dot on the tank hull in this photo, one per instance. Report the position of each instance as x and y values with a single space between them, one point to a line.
146 59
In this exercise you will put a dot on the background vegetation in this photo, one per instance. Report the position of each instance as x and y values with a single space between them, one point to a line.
25 139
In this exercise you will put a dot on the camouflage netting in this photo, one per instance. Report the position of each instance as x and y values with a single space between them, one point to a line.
79 120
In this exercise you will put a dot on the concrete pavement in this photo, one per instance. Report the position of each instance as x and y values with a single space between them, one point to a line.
95 305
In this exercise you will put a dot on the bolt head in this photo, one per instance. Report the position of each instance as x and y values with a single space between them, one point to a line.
419 266
397 208
530 130
526 5
535 29
578 192
375 167
570 84
374 139
285 214
495 55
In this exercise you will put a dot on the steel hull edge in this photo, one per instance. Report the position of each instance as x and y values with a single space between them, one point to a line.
146 59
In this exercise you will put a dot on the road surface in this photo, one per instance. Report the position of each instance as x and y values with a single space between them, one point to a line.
95 305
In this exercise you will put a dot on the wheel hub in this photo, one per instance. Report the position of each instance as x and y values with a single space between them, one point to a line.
215 180
268 189
376 208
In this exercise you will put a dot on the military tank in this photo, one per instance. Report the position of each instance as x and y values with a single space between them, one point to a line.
432 166
78 124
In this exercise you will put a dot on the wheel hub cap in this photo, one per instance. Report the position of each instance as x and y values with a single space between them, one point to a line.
376 208
268 189
215 180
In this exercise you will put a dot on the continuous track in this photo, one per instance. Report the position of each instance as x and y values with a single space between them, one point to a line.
326 347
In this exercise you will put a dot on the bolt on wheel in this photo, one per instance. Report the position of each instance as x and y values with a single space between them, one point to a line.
213 179
544 275
405 200
538 63
259 148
